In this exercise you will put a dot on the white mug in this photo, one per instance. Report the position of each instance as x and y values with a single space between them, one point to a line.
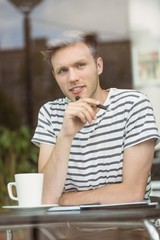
29 188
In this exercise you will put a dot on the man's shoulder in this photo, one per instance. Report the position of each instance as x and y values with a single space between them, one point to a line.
54 105
56 102
127 93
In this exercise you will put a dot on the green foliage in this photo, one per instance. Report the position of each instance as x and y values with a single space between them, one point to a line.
17 155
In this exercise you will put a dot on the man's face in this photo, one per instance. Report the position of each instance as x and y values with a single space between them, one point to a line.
76 71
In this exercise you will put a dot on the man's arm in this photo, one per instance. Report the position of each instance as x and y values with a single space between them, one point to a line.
53 160
137 165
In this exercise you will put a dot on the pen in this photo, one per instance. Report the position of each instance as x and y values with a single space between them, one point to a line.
97 105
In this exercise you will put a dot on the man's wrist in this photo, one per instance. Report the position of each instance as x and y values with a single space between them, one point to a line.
65 137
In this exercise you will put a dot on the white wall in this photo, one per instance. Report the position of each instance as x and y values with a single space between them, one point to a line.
153 94
144 25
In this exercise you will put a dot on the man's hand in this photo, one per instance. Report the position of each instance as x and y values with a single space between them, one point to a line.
77 114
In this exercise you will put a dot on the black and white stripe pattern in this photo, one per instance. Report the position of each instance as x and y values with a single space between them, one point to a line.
96 156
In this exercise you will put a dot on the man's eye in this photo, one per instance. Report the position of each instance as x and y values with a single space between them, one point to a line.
81 65
61 71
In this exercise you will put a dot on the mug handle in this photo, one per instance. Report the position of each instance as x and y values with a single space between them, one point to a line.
10 192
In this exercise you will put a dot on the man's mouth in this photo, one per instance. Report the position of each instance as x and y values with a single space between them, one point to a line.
76 90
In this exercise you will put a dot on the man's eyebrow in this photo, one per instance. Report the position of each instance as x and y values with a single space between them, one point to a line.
73 64
60 67
82 60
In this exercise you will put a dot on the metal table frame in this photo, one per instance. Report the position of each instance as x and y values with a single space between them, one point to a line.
119 217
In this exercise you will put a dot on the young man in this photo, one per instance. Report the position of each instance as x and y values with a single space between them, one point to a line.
89 154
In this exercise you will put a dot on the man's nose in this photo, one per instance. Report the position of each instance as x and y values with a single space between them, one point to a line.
73 75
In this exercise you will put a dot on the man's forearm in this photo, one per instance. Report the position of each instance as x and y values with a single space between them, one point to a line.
55 170
112 193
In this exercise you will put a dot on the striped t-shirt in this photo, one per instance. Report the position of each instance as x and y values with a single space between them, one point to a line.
96 155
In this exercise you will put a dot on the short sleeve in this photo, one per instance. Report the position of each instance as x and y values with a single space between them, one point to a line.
141 125
44 131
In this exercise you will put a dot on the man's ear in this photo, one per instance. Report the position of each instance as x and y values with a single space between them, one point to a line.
100 65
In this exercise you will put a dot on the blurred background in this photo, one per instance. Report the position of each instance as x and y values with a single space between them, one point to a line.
128 32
